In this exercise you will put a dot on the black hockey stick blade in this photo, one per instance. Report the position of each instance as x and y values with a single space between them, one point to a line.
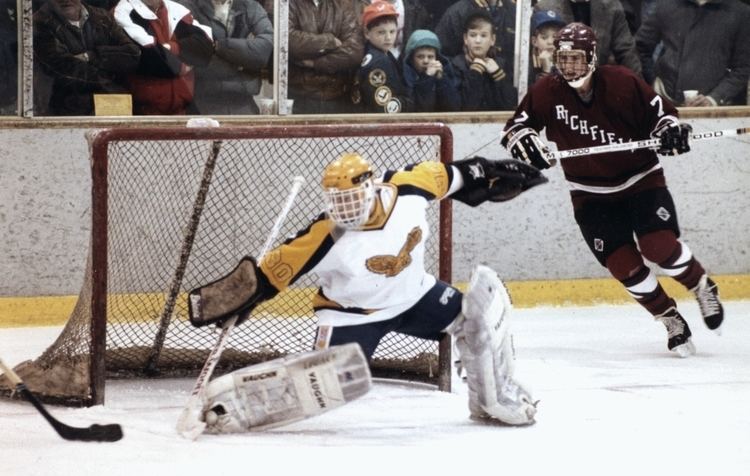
111 432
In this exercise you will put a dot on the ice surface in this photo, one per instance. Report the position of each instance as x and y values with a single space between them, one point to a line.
613 401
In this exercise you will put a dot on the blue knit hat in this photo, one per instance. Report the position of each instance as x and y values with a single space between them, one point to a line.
419 39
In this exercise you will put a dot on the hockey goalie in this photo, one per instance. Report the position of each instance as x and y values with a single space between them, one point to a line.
367 251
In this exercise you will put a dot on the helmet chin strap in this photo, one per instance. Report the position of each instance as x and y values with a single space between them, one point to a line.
578 82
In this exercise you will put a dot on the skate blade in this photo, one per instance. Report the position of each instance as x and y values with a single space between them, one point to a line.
685 350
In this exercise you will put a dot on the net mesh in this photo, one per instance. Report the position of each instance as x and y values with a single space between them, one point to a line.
157 250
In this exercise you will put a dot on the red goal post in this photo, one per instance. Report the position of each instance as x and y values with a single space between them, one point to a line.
173 208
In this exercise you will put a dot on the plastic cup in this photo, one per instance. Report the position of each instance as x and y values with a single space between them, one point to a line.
690 94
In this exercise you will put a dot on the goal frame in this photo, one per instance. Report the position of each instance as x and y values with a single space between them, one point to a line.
99 142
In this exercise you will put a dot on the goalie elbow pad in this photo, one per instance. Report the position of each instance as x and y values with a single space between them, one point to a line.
494 180
239 292
526 145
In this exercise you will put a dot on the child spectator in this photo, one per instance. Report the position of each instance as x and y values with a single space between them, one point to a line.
379 81
431 81
544 25
484 84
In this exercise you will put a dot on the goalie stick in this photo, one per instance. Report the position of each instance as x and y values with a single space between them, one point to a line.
189 424
553 157
111 432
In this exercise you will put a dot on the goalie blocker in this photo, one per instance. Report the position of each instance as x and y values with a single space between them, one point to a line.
285 390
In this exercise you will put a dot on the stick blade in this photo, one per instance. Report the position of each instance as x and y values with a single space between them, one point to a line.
101 433
189 424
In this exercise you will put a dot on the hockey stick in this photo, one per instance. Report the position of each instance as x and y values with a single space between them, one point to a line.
187 246
189 424
553 157
112 432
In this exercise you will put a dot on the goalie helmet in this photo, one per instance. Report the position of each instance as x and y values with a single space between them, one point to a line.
349 190
575 53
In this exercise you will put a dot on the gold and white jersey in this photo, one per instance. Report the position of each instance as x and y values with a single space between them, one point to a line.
373 273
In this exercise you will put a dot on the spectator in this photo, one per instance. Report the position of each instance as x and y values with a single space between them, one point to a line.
544 25
607 19
484 84
243 38
436 9
379 79
8 57
84 52
431 82
450 28
325 49
706 48
412 15
633 13
171 44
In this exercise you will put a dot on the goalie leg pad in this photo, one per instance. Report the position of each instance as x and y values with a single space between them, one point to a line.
285 390
485 348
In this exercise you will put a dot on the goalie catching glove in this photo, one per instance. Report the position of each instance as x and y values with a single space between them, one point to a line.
525 144
674 137
494 180
236 293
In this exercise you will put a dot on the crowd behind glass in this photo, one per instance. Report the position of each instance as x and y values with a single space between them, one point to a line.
215 57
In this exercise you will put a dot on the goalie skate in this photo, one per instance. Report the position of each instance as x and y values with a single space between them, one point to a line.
286 390
484 346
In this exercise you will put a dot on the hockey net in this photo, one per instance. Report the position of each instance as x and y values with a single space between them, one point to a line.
174 208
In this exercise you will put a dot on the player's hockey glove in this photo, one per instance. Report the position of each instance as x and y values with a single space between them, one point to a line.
494 180
674 138
237 293
525 144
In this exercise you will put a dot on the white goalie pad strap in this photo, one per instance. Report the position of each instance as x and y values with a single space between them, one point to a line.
485 349
286 390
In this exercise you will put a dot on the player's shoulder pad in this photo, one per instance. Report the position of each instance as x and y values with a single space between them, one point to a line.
429 179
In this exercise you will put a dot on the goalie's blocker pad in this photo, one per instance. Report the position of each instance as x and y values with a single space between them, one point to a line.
236 293
285 390
494 180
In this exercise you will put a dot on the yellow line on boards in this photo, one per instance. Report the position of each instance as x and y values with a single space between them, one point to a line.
55 310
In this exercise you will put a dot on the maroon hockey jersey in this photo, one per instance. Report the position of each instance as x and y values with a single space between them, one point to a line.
623 108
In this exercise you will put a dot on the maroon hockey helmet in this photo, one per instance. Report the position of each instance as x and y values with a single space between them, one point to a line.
577 36
576 41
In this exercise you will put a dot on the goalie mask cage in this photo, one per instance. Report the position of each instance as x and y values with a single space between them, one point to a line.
175 208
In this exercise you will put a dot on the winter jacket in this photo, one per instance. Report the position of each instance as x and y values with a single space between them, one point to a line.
380 83
481 91
430 93
109 55
243 47
706 48
163 83
312 34
610 25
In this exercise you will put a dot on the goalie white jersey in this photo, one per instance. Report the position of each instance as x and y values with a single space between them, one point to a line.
374 273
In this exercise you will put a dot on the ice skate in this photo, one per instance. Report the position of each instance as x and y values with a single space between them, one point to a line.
707 294
678 331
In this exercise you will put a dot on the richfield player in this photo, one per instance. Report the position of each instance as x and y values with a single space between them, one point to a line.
620 199
367 252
